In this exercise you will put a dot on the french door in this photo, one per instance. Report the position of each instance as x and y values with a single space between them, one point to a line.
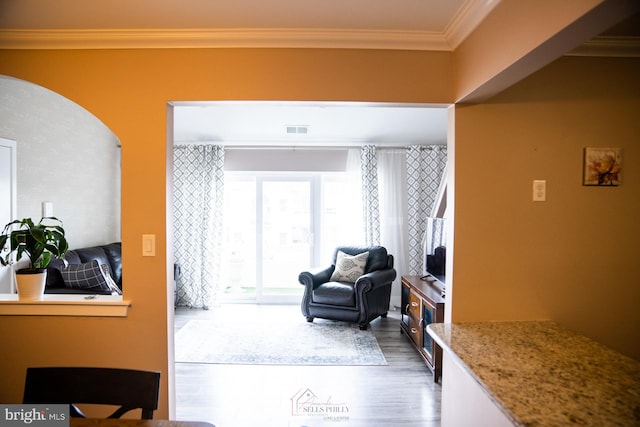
278 225
269 235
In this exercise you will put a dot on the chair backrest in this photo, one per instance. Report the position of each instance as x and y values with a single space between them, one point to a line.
127 388
378 258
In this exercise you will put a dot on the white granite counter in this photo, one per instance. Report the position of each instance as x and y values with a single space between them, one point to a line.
540 374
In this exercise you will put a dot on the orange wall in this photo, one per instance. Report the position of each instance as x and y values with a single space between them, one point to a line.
129 90
573 258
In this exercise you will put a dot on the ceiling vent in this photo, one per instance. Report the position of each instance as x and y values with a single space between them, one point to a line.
298 130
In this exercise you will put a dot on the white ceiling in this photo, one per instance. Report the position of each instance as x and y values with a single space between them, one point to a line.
416 15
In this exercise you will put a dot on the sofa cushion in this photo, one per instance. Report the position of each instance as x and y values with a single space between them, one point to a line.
349 267
88 276
335 293
71 257
94 253
378 260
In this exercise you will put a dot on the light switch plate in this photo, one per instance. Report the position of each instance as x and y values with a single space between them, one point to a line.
148 245
47 209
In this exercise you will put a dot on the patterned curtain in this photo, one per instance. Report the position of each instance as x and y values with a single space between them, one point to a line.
198 209
425 167
370 199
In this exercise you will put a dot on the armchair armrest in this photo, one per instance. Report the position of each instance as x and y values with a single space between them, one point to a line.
312 279
374 280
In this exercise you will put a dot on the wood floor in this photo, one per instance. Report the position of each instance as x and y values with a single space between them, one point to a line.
400 394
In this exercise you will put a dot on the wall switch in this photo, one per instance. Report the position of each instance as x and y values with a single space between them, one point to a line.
148 245
47 209
539 190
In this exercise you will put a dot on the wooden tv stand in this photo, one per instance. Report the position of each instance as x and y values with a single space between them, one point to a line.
422 304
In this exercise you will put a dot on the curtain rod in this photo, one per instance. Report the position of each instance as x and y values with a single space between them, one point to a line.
304 147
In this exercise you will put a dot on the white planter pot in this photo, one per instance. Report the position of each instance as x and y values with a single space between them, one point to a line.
31 286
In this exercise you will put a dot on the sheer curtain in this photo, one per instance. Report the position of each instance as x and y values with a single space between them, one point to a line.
351 230
198 210
354 184
425 167
392 178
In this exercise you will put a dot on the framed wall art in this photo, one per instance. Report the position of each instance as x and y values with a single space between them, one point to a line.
602 166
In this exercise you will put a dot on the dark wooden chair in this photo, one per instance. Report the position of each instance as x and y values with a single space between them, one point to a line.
127 388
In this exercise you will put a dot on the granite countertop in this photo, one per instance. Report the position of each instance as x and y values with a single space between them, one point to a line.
540 374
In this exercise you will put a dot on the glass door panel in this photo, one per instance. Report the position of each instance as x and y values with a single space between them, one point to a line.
239 264
286 236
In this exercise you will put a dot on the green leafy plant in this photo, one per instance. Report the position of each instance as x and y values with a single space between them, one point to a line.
41 242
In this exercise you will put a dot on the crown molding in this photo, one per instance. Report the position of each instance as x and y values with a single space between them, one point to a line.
221 38
470 15
615 47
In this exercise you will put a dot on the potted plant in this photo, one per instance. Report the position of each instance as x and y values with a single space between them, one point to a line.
41 243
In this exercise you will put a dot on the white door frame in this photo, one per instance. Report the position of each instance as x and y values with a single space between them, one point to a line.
8 201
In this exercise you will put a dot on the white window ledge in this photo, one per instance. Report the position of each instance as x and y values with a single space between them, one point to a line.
65 305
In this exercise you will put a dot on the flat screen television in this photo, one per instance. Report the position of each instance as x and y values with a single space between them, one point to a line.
435 250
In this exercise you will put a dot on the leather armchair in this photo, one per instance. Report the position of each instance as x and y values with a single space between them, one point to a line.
358 302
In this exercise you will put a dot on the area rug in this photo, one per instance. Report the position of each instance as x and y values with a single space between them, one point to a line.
295 343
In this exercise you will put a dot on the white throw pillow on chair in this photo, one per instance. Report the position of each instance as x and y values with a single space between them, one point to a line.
349 267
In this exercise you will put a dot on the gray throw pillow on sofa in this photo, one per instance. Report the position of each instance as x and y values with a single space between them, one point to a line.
88 276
